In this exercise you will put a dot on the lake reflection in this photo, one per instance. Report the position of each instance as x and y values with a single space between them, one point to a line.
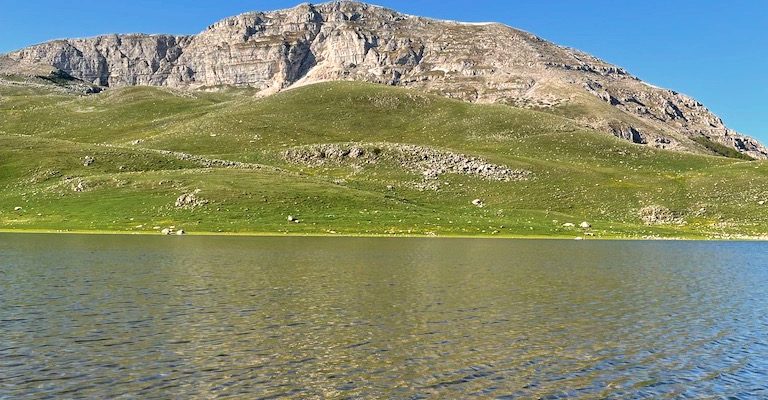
208 317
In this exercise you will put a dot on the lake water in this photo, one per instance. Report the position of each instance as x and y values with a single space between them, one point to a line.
215 317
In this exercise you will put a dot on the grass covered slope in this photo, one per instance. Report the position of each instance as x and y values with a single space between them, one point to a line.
350 158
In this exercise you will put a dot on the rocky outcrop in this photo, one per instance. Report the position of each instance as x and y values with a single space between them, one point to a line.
190 200
354 41
429 162
659 215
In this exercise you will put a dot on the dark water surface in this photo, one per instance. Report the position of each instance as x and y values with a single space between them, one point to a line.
210 317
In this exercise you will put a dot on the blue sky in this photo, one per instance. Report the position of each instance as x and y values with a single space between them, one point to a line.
713 50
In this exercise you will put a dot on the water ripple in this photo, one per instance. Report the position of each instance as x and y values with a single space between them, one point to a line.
141 317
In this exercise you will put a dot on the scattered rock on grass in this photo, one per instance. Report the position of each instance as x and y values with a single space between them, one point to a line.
429 162
585 225
80 186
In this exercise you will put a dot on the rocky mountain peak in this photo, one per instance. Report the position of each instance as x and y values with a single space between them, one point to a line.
349 40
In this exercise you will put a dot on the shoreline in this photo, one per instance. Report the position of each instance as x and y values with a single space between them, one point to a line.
370 236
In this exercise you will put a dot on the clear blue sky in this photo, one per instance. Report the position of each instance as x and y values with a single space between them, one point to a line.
713 50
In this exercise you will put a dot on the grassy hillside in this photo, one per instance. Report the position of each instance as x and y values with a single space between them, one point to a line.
146 146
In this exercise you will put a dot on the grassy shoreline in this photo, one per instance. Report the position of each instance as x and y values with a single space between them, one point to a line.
373 236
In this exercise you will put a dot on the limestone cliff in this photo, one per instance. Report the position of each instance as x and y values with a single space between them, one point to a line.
348 40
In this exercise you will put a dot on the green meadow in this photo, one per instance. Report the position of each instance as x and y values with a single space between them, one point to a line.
118 161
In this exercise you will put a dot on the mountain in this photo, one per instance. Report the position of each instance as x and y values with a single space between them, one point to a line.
483 63
346 118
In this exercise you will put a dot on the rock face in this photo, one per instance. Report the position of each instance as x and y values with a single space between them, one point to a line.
348 40
113 60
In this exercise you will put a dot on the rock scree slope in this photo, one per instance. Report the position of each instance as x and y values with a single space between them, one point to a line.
347 40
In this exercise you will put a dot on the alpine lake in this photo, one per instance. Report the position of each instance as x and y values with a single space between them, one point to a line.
120 316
